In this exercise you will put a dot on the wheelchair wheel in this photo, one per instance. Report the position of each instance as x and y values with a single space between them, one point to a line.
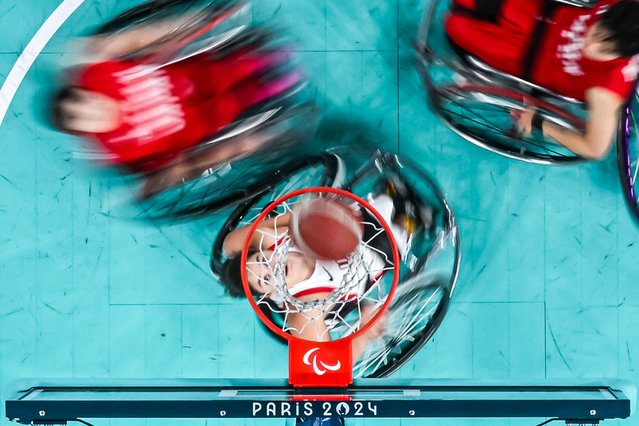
628 154
322 170
205 24
481 114
413 316
429 266
277 132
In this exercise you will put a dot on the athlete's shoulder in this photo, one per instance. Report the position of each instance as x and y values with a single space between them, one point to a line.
617 76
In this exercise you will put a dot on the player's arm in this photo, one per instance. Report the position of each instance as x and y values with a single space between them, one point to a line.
361 342
133 39
264 235
603 116
302 327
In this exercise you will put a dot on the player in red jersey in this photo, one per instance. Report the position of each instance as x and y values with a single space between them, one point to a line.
590 54
144 115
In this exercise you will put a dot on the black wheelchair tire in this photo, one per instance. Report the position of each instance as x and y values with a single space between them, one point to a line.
628 125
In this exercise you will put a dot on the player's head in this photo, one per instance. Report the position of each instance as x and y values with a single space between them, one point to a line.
259 274
231 276
76 110
617 32
259 265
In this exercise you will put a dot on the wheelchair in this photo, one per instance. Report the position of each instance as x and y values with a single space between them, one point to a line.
476 102
273 130
429 269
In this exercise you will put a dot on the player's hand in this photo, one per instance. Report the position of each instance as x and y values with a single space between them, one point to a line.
524 120
90 112
379 328
377 331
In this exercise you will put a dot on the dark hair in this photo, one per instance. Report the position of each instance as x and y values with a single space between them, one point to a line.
231 276
58 117
621 22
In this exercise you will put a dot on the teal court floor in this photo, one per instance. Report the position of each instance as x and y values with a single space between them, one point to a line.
549 280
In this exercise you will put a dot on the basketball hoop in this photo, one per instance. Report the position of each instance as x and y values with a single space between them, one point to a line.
320 331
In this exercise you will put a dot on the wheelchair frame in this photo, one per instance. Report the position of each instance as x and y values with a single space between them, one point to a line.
414 281
215 25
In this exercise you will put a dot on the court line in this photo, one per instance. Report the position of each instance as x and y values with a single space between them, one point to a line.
31 52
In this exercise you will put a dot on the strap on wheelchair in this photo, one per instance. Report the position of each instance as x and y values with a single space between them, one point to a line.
537 37
489 9
486 10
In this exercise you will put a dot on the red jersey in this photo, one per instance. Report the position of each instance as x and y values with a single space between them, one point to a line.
559 65
168 109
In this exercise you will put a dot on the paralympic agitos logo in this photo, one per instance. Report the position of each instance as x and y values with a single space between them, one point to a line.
319 367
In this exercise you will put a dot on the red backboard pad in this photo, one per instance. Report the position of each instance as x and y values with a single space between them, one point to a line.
320 364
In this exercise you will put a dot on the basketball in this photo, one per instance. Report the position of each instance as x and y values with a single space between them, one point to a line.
326 229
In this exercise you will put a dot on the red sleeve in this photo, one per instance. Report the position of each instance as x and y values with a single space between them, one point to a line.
621 79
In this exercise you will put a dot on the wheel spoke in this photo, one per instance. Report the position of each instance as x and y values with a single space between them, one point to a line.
483 114
412 319
482 123
500 132
543 145
406 322
480 120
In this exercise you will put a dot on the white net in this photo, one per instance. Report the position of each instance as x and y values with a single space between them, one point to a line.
337 297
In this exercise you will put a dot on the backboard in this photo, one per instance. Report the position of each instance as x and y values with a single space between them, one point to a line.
62 401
